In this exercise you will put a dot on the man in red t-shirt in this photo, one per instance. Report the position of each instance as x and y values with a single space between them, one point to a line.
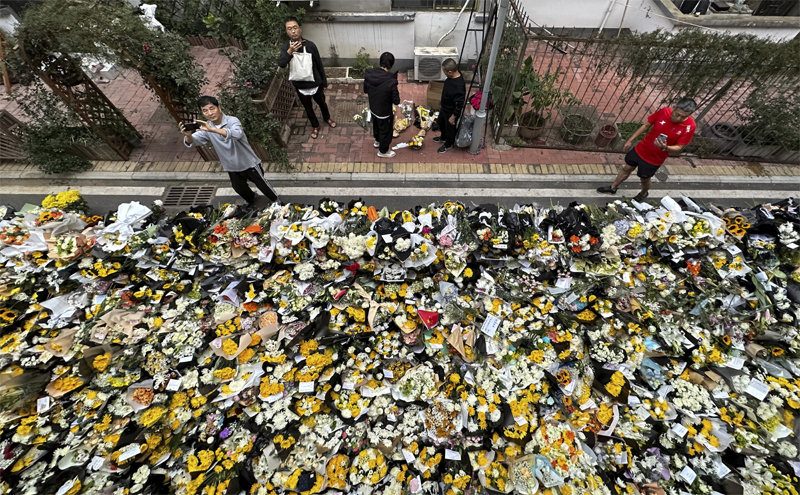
669 129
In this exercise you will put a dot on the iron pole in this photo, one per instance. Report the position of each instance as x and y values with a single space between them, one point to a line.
480 117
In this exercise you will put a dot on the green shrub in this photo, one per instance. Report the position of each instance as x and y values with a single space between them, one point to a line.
52 147
361 64
51 134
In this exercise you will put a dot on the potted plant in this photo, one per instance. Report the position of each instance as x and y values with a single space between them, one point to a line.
533 99
576 127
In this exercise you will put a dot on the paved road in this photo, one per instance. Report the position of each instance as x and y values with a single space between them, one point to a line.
398 191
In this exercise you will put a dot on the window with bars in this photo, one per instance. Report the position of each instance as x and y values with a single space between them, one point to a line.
429 4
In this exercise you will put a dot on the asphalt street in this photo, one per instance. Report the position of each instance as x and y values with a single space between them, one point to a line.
398 191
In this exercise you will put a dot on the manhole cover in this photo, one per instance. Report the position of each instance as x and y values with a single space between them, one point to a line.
189 195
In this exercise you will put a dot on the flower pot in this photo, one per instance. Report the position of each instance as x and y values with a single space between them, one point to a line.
723 134
605 136
531 125
509 130
576 128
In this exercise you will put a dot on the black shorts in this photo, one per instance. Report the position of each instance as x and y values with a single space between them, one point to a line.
643 169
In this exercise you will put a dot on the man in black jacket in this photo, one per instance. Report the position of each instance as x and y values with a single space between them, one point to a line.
381 87
306 90
453 94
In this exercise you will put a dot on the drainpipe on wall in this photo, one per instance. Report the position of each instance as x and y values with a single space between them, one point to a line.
454 24
623 17
480 117
606 16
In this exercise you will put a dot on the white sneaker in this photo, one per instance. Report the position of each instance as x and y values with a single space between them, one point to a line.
388 154
376 144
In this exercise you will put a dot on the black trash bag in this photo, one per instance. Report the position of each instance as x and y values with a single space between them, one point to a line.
464 133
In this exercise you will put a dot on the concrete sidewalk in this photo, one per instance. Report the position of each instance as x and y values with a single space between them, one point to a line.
603 166
403 185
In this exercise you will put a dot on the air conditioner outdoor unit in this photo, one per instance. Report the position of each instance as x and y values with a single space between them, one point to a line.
428 61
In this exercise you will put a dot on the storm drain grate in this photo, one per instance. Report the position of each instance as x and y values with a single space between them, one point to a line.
189 195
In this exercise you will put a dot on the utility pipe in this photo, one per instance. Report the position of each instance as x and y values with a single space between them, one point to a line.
606 16
623 17
480 117
455 24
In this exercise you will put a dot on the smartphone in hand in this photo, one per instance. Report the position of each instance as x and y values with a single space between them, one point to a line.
191 126
663 138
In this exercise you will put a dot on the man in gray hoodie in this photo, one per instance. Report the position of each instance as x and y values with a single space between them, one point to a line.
381 87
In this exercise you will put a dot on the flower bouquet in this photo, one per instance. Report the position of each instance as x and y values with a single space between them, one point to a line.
363 118
613 383
443 420
304 481
349 404
67 201
369 467
418 383
523 475
336 471
495 478
415 143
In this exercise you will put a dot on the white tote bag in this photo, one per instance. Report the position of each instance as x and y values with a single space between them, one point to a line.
301 68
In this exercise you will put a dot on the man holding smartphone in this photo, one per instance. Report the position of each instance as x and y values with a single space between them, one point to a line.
307 91
669 129
237 157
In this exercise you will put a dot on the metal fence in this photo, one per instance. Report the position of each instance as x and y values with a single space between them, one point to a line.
11 138
602 88
427 4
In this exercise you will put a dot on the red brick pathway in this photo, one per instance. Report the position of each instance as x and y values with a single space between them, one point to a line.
161 138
